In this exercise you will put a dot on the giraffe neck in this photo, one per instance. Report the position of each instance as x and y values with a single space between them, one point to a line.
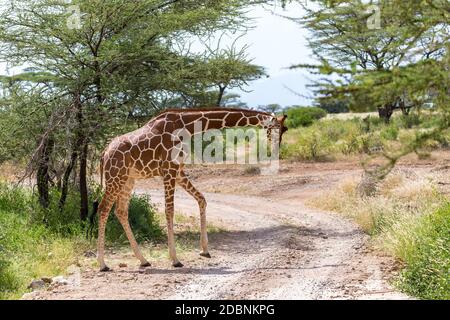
220 119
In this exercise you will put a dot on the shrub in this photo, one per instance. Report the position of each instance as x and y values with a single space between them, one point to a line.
35 242
390 132
409 121
426 253
330 138
13 199
310 145
303 116
29 248
409 219
143 221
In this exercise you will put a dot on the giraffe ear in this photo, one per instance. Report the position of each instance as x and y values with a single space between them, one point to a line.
282 118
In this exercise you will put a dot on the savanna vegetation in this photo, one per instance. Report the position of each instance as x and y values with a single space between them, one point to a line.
87 71
384 56
407 217
84 72
405 214
332 139
37 242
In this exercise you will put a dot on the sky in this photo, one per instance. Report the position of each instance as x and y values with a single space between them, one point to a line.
274 43
277 43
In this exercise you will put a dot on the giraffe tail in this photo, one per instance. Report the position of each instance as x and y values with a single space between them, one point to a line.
96 203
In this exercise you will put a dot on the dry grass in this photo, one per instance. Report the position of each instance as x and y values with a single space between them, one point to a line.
400 197
407 217
10 171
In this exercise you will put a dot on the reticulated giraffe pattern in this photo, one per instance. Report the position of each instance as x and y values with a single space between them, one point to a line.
147 152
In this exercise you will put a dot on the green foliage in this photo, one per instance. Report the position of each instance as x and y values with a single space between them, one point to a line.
427 257
13 198
328 139
29 248
35 242
313 146
410 121
226 69
390 133
125 61
143 221
303 116
334 106
408 218
402 60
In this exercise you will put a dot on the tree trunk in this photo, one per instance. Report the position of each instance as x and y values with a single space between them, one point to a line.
82 143
220 97
385 112
84 204
42 175
65 181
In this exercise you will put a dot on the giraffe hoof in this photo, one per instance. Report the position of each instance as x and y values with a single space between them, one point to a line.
177 265
105 269
146 264
205 254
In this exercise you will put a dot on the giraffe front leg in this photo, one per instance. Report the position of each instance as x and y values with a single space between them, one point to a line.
203 232
169 191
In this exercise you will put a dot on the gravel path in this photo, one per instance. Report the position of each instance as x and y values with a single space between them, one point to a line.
271 249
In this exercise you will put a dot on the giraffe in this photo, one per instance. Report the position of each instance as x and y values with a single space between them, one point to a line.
147 152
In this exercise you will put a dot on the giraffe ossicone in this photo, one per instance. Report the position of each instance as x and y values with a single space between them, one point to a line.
151 151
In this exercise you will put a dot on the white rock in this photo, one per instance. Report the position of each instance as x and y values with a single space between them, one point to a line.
60 280
28 296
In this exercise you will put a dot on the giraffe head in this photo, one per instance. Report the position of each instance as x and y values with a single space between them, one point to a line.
283 128
276 123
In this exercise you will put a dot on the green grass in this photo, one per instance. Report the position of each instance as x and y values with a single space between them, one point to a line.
29 249
426 253
407 218
36 242
332 139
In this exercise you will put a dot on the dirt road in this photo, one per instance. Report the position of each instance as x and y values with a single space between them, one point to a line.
272 247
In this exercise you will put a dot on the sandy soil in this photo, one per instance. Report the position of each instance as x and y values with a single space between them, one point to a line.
272 246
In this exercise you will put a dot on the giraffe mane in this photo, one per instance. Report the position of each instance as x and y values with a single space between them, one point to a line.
194 110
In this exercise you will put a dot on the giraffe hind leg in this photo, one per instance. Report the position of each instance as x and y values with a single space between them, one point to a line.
103 210
187 185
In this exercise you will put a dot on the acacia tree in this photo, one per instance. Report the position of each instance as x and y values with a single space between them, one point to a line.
211 74
376 52
230 68
380 56
221 69
98 70
271 108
